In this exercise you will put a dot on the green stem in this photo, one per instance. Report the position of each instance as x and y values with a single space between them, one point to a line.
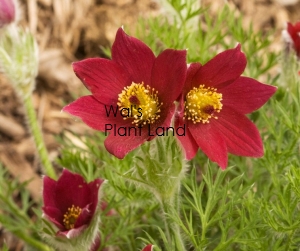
38 138
164 208
173 231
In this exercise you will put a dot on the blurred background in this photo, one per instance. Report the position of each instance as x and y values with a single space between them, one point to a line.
71 30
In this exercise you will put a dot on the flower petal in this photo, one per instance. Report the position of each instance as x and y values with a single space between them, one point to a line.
168 74
54 215
7 12
72 233
119 146
49 186
134 56
95 114
103 77
240 134
72 189
222 70
96 244
191 71
246 95
148 247
85 217
295 34
187 141
164 120
293 30
94 187
210 141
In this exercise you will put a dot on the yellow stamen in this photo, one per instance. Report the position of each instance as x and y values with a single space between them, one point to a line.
202 104
142 102
71 216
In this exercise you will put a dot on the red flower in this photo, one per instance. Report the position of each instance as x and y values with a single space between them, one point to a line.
148 248
134 83
292 36
7 12
213 105
70 203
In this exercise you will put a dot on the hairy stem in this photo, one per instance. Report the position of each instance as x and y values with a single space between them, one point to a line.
38 138
173 231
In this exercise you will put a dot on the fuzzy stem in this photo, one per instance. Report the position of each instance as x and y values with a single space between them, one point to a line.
38 138
172 228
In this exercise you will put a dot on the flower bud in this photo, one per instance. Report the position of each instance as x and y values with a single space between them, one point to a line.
148 248
7 12
19 59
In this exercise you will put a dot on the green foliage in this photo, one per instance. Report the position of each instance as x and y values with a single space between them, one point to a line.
14 216
204 35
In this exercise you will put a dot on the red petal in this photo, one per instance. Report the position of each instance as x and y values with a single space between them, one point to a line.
191 71
164 120
72 233
187 141
240 134
292 31
222 70
210 141
246 95
104 78
119 146
49 186
96 244
7 12
71 190
85 217
148 248
54 215
94 187
94 113
297 26
134 56
168 74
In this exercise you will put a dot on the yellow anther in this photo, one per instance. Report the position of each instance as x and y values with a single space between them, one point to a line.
142 102
71 216
202 104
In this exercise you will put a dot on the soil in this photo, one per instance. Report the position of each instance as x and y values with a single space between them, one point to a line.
72 30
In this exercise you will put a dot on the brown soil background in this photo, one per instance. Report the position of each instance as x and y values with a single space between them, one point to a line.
70 30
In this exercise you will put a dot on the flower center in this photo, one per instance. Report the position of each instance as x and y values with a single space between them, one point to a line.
202 104
139 102
71 216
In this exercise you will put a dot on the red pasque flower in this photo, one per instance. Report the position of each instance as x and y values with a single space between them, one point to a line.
70 203
148 248
7 12
213 105
292 36
133 94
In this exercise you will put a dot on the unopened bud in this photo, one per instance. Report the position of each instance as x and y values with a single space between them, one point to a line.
19 59
7 12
